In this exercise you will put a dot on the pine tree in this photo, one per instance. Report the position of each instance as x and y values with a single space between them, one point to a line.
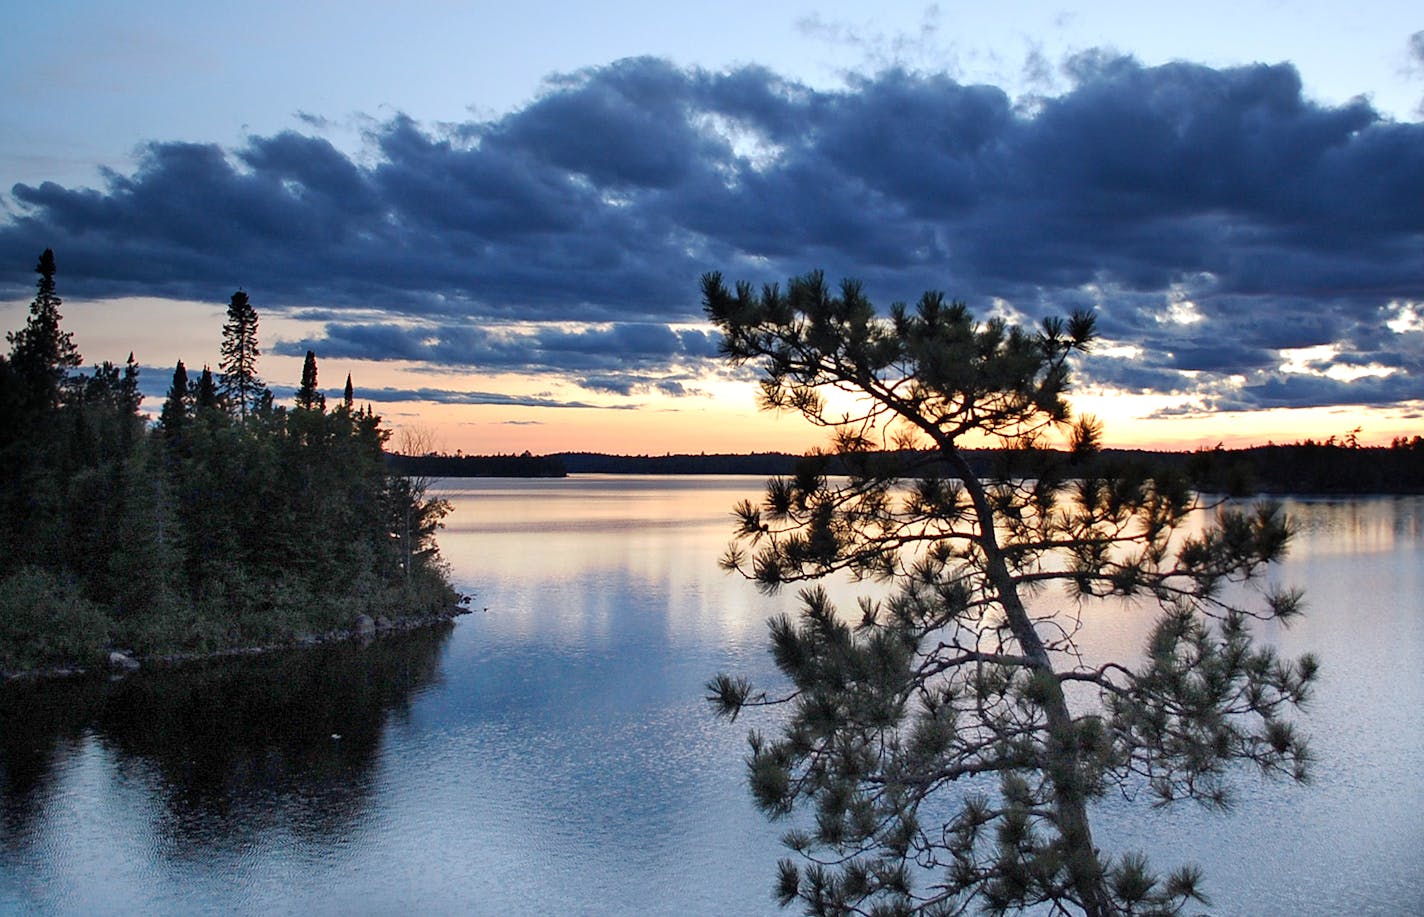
242 389
348 397
967 670
309 397
41 355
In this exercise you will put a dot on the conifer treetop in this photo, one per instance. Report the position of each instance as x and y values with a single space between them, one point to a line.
241 386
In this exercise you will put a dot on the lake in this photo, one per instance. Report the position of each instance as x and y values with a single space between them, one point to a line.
551 752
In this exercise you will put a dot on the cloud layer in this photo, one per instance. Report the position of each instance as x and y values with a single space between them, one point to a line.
1217 218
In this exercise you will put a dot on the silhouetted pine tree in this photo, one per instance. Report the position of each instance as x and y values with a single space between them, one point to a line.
174 416
896 716
309 397
36 442
128 386
205 393
241 386
41 355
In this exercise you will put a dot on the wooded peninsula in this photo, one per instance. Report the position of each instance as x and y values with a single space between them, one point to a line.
232 522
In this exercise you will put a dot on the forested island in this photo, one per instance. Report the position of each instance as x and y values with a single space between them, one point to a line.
234 522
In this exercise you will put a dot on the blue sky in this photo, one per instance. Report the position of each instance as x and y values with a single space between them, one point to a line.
496 216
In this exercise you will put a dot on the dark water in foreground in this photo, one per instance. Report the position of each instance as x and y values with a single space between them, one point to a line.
553 755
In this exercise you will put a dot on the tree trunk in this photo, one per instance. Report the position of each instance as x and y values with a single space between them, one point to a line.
1071 805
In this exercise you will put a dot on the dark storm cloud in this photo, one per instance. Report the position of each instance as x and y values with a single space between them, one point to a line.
156 390
1294 390
448 396
1275 221
625 347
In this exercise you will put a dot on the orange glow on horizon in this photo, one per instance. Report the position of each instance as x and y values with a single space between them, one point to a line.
721 418
691 426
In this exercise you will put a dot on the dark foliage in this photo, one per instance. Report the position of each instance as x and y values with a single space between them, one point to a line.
41 355
946 743
756 463
233 522
1329 467
309 396
245 728
241 386
1298 468
524 465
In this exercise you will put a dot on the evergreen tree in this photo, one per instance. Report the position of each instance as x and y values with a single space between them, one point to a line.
39 443
242 389
11 409
143 571
348 397
131 399
175 411
41 355
103 410
309 397
964 671
205 393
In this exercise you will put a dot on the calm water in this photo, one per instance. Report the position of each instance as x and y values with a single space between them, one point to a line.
552 754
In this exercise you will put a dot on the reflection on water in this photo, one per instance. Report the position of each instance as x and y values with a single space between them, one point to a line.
288 725
552 754
1358 526
205 760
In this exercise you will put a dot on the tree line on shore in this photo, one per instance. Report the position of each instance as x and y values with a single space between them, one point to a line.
232 521
1332 466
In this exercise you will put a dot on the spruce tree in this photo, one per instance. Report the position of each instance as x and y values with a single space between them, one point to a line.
205 392
309 397
131 398
175 411
348 397
242 389
971 667
37 442
41 355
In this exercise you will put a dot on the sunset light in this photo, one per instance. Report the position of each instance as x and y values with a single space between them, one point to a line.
636 458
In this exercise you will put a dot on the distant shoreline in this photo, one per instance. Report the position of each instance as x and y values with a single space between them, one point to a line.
1298 468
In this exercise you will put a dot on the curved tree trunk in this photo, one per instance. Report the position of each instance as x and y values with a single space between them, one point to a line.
1071 804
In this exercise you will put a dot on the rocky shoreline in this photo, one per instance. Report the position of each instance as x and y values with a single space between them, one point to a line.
120 662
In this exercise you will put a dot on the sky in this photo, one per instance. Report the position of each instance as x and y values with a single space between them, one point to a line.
494 216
